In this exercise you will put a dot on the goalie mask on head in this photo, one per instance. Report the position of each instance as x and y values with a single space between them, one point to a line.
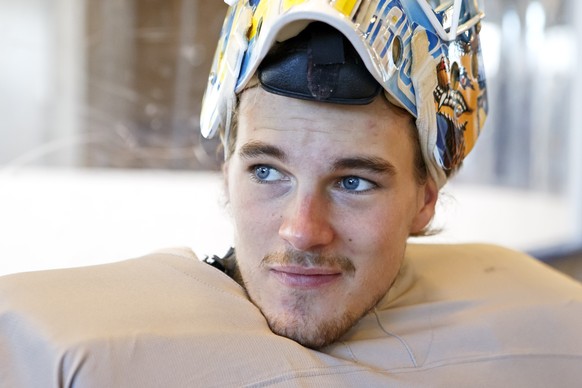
424 55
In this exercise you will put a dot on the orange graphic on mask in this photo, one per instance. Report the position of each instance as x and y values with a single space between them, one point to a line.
457 96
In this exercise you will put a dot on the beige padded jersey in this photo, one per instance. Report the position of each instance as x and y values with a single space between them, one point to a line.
458 316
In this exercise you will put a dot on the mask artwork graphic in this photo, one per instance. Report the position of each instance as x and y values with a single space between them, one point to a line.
451 106
460 99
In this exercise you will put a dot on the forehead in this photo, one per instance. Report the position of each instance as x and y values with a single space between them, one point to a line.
378 128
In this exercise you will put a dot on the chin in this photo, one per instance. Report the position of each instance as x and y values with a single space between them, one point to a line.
311 327
314 335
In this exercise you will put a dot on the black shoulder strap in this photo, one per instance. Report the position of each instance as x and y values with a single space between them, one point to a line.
221 263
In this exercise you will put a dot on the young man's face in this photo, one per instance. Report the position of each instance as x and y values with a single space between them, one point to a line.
323 198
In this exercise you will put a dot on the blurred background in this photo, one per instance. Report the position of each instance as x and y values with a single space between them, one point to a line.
101 159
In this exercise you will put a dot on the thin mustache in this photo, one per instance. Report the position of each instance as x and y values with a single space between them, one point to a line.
308 259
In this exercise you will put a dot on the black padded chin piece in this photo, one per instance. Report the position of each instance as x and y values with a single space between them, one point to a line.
318 64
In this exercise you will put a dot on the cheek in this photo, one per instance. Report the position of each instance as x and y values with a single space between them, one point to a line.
382 245
376 239
378 226
377 251
254 218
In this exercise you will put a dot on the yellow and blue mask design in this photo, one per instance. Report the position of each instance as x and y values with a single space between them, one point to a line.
452 94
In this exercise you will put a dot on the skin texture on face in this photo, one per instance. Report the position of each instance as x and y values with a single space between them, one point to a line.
323 198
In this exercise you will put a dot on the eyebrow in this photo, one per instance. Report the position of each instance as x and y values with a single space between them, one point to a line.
255 149
369 163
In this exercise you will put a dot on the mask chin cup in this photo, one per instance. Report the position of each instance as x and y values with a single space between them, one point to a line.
319 64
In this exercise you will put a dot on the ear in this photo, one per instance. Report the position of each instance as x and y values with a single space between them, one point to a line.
427 198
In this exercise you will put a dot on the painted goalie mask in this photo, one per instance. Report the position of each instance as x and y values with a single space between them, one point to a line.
425 55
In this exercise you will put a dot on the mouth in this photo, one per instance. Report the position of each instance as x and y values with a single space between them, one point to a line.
305 277
451 98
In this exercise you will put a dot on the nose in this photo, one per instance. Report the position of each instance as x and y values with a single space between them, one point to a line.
306 224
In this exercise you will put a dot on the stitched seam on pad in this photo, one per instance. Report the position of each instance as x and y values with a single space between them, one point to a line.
431 314
337 370
220 273
400 339
349 349
310 372
211 286
475 360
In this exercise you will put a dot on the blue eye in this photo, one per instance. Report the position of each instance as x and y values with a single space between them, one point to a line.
353 183
264 173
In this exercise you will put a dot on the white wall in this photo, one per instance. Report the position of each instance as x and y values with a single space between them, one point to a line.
54 218
41 77
25 81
